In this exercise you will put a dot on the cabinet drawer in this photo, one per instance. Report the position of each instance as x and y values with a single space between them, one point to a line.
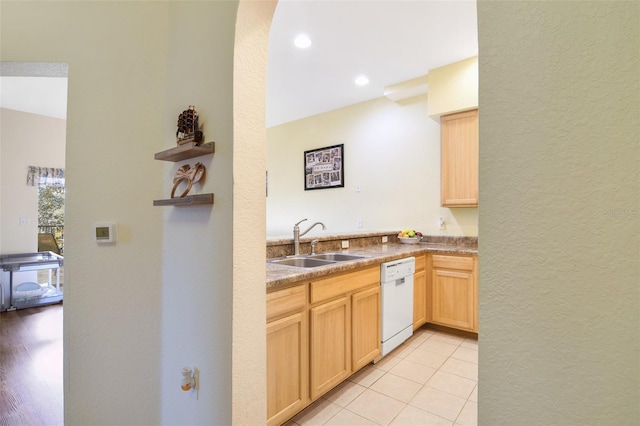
452 262
338 285
421 262
285 301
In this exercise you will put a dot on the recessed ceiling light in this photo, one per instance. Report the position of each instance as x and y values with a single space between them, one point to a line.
362 80
302 41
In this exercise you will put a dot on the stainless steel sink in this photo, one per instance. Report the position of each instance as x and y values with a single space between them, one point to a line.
302 262
315 260
336 257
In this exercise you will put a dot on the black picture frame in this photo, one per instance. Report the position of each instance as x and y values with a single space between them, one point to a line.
324 168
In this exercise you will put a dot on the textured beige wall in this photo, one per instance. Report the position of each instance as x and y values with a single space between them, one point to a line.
25 140
249 373
560 215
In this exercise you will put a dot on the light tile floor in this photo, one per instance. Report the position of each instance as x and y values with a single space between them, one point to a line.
431 379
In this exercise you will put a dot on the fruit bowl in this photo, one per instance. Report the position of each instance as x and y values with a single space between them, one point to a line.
409 236
410 240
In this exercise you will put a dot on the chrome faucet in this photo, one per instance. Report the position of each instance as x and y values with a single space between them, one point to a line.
297 235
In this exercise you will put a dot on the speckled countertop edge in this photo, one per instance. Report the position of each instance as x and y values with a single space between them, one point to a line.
280 276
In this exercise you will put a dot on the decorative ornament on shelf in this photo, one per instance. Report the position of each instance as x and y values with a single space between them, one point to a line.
188 129
187 174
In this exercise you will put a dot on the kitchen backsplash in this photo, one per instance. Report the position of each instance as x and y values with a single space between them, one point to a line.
330 243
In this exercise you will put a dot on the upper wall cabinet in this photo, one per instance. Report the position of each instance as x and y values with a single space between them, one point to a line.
459 159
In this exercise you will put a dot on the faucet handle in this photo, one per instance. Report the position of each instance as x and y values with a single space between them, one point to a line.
299 222
313 246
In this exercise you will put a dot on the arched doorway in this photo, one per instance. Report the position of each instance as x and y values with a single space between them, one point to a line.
249 166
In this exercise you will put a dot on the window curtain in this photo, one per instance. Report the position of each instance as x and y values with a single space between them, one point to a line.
40 176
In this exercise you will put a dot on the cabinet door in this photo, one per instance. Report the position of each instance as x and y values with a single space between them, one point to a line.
453 298
459 159
330 345
365 326
287 367
419 298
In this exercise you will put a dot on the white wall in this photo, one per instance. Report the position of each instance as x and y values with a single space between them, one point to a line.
197 255
391 151
25 140
160 299
560 215
117 60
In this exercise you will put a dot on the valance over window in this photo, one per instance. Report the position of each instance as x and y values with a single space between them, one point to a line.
40 176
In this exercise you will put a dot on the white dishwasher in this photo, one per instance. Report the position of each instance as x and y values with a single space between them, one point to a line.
396 280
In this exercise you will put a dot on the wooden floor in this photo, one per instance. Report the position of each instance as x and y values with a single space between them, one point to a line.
31 390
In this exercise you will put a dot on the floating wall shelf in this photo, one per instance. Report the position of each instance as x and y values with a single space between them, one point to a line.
186 151
189 200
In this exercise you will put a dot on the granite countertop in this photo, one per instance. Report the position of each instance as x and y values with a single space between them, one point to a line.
281 276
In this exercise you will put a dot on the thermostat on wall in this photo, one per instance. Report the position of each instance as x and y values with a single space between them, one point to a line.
106 232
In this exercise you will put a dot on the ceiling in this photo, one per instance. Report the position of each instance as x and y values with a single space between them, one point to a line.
389 41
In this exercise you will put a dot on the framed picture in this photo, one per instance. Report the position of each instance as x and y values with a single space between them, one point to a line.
324 168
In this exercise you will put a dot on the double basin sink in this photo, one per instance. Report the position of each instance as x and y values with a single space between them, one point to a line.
315 260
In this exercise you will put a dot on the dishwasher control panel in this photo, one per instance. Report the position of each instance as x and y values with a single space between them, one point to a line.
396 269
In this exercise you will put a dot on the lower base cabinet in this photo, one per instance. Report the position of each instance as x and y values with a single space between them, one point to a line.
318 334
330 345
345 327
345 336
454 291
286 367
287 354
420 293
365 327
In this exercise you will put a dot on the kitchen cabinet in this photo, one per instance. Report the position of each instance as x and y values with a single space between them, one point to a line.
345 326
287 353
454 291
318 334
420 293
459 159
365 327
330 345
